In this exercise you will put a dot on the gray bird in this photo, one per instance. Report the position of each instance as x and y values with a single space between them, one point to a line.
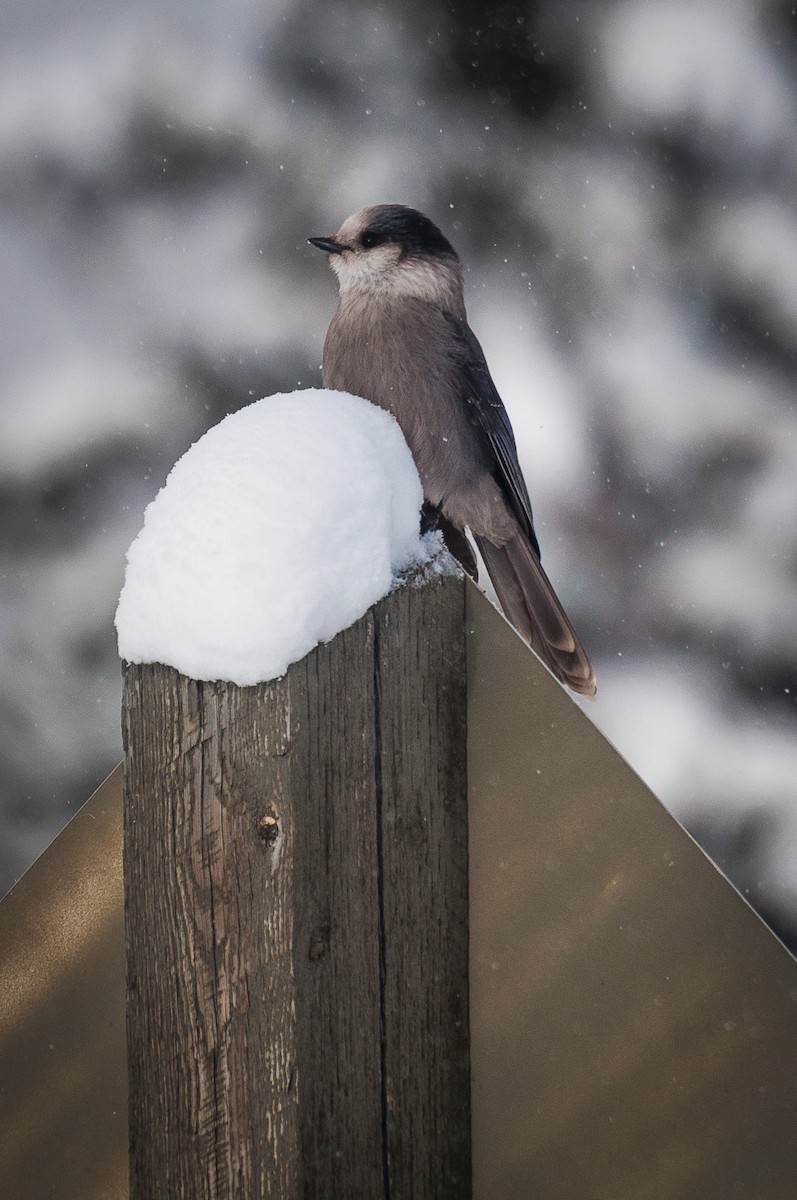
400 338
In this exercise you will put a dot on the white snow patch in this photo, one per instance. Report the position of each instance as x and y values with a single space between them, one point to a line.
68 408
702 755
543 402
673 403
700 63
687 743
278 529
734 587
752 245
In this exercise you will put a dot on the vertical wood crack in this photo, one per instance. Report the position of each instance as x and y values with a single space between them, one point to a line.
380 885
215 1178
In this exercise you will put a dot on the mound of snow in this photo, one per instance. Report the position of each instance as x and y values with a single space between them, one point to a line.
279 528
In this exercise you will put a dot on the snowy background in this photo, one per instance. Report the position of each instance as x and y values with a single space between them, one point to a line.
619 178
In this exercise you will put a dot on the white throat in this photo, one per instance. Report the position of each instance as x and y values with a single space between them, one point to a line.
432 281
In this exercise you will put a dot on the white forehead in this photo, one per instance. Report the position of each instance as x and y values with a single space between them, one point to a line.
353 226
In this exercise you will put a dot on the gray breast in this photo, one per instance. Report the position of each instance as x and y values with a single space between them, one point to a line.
403 358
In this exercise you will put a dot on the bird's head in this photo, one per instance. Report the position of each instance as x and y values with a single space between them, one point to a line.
394 250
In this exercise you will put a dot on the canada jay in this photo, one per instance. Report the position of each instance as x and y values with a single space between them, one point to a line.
400 338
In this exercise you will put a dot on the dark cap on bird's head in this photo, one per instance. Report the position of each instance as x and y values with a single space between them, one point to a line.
388 225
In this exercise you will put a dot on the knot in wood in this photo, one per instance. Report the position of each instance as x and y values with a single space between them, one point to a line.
268 829
319 943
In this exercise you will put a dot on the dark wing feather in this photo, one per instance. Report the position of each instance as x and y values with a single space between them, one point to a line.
490 417
524 590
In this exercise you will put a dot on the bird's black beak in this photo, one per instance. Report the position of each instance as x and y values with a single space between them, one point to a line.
327 244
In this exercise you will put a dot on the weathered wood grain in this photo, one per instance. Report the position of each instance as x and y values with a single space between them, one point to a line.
296 916
423 846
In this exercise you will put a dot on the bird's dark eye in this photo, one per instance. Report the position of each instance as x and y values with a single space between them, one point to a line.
370 239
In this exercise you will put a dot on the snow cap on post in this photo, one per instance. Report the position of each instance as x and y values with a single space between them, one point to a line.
278 529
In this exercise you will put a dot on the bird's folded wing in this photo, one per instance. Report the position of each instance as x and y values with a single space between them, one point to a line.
491 419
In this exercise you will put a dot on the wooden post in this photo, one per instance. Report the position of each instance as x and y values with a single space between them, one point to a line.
296 918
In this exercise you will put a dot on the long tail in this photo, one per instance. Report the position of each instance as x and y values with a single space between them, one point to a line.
532 606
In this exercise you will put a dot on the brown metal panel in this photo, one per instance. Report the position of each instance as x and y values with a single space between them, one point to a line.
63 1081
633 1023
